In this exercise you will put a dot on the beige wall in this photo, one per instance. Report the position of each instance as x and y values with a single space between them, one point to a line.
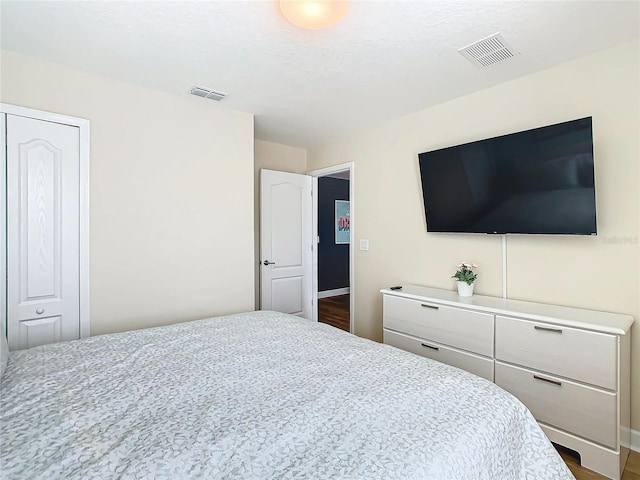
272 156
171 195
592 272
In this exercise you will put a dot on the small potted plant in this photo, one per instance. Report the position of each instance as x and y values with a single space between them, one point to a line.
465 277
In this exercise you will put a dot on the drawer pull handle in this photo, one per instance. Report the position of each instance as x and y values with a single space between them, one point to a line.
430 346
426 305
548 380
548 329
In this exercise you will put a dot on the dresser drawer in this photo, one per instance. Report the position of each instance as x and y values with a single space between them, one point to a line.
463 329
589 357
481 366
582 410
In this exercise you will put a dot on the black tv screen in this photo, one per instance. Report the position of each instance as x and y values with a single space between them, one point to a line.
539 181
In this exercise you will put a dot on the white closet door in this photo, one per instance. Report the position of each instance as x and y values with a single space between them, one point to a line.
43 165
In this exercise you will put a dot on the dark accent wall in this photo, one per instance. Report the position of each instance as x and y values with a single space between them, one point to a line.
333 260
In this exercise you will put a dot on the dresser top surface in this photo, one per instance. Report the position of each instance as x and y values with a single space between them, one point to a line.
606 322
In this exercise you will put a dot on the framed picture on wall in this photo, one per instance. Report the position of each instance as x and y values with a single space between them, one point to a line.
342 222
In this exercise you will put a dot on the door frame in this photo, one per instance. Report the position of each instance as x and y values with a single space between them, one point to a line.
323 172
84 132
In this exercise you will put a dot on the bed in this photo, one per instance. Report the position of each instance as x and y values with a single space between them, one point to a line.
257 396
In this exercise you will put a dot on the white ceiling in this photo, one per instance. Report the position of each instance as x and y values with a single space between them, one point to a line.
305 87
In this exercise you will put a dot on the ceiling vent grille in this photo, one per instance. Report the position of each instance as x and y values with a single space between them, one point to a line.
208 93
488 51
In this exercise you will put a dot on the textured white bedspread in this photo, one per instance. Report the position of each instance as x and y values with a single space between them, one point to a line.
257 396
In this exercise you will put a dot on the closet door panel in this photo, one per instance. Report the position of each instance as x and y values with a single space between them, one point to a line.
43 231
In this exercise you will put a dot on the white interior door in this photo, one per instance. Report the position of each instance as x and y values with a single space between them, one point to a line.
285 243
43 285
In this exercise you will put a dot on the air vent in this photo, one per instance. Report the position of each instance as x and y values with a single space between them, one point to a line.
488 51
208 93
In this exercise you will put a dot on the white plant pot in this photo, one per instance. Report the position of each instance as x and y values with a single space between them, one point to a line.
464 289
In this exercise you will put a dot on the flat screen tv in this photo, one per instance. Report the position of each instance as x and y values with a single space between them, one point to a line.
538 181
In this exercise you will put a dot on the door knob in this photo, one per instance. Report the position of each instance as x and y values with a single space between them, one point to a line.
39 311
267 262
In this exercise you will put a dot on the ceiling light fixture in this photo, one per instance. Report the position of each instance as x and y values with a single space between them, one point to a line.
314 13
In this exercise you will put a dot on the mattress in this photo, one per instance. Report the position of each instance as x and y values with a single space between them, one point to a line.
257 396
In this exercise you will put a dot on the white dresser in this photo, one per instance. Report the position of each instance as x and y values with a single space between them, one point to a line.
569 366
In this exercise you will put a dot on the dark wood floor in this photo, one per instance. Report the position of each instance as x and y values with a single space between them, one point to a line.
631 471
334 311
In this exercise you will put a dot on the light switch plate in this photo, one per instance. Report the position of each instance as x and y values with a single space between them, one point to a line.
364 244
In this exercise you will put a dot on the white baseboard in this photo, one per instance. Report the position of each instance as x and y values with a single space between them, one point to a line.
334 293
635 440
